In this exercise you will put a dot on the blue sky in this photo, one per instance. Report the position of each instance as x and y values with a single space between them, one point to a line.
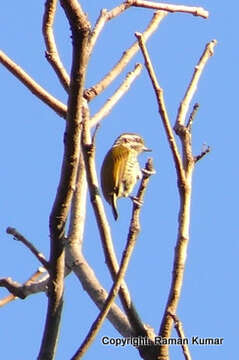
31 153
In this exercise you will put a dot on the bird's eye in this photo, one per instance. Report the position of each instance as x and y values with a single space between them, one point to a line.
138 140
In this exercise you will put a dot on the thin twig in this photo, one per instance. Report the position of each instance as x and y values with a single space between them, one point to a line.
93 140
127 253
13 287
29 245
179 328
52 54
202 154
33 285
33 86
126 57
196 11
162 108
110 103
192 116
104 17
192 87
89 281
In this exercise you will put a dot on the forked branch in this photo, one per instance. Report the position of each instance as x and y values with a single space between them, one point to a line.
131 241
35 284
196 11
192 87
80 29
88 149
98 88
184 164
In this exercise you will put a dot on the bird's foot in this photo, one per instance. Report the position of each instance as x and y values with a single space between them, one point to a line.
136 200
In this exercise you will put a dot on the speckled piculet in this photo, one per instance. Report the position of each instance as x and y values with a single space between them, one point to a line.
120 169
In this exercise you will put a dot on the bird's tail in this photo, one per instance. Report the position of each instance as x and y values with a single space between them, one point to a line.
114 207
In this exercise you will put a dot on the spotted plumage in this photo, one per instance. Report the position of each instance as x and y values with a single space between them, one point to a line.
120 169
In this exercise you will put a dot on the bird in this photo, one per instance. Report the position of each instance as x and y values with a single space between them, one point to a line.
120 169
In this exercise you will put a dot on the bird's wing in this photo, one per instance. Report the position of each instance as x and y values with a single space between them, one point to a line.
112 171
120 156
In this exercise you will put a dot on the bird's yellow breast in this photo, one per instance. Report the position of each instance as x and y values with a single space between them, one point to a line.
119 172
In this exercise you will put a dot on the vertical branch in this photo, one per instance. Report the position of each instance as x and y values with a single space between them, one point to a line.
162 108
51 48
80 31
185 191
184 166
78 208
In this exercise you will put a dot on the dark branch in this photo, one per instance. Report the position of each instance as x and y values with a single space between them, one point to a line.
203 153
192 116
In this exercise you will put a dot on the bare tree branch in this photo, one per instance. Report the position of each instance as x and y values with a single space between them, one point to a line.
162 108
36 283
76 261
126 57
110 103
179 328
196 11
29 245
33 86
102 19
52 54
25 287
192 87
202 154
33 278
104 228
80 28
78 208
66 253
105 15
184 169
131 242
13 287
87 277
192 116
185 190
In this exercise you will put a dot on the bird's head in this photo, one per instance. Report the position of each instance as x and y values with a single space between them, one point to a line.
131 141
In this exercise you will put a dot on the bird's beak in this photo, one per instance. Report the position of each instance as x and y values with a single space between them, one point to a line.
146 149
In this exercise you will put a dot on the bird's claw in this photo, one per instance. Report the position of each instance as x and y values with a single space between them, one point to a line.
136 200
